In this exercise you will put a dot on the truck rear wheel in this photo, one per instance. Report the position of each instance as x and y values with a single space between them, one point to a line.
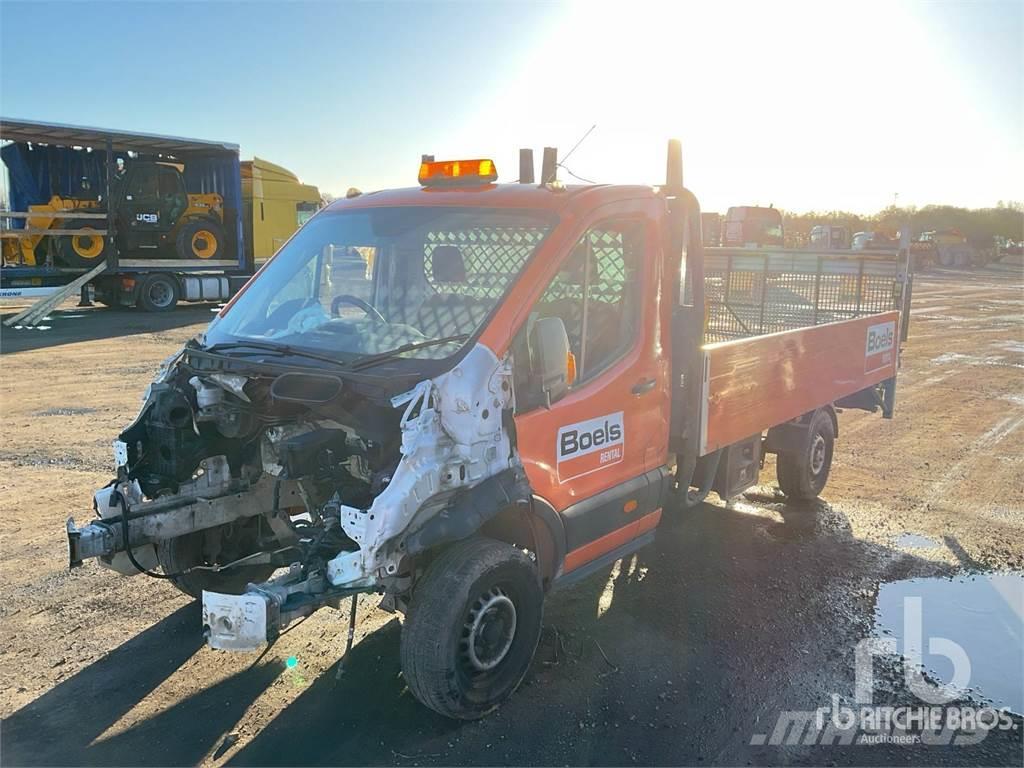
158 293
230 542
803 474
472 628
200 239
85 250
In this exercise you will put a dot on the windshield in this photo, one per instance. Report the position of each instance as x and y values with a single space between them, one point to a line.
372 281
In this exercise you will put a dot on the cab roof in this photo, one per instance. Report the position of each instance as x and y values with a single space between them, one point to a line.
527 196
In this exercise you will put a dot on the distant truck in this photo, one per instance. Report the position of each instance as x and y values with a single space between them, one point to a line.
711 229
948 248
275 204
873 241
830 237
749 226
186 219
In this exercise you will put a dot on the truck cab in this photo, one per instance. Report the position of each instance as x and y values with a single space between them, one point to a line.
749 226
462 396
829 237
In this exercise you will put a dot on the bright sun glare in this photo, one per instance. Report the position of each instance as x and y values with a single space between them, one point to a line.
820 89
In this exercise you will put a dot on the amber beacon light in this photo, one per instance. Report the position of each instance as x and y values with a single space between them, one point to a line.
435 173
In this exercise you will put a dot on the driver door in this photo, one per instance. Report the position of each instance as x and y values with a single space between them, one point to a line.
596 455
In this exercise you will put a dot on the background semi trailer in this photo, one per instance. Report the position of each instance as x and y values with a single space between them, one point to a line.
509 394
751 226
275 204
138 219
152 219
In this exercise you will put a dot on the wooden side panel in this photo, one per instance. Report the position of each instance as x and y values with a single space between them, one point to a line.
753 384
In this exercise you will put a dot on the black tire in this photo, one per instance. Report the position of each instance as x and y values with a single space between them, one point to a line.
180 554
82 250
158 293
459 655
201 239
803 474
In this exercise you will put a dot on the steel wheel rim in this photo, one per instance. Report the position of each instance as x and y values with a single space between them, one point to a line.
488 631
87 246
204 244
160 294
817 454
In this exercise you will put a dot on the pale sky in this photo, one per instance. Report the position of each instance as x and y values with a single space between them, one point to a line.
825 105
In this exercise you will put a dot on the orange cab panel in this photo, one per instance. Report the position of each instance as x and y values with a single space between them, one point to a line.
594 455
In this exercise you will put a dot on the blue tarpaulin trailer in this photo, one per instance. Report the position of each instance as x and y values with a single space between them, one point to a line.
47 159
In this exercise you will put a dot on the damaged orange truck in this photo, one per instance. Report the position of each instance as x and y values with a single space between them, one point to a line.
464 395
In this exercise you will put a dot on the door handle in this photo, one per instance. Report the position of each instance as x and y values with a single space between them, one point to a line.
643 386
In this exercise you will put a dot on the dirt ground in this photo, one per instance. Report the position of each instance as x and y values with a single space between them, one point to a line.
679 655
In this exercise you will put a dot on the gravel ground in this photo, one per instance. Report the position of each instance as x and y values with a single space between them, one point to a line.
682 654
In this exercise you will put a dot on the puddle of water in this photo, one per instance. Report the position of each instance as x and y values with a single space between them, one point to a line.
1010 346
983 614
916 541
957 357
65 412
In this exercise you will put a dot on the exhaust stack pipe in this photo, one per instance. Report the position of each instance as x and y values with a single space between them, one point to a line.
674 167
526 166
549 167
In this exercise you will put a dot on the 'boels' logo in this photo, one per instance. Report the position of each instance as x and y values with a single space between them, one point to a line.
590 445
880 346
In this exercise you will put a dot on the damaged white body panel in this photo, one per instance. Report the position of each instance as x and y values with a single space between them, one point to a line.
452 437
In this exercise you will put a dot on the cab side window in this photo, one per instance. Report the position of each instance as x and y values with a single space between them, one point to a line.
143 184
169 182
596 295
612 296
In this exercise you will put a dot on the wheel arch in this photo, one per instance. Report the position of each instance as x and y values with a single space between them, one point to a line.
502 507
536 526
792 435
831 411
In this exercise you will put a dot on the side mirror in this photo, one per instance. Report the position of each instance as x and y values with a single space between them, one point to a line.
549 351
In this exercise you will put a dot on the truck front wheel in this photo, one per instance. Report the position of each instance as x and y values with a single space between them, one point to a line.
472 628
803 474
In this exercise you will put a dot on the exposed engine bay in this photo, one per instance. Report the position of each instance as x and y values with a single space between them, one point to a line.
241 470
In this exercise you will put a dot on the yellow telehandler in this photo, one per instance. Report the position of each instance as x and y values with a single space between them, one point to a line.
152 213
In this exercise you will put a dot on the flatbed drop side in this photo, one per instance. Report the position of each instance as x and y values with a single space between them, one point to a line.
464 395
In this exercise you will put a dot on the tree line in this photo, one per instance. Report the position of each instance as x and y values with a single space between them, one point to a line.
979 225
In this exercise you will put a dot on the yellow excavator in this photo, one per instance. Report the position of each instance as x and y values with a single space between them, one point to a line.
153 216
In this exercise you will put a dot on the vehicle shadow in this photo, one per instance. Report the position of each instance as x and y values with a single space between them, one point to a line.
365 717
671 656
71 324
65 725
678 654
